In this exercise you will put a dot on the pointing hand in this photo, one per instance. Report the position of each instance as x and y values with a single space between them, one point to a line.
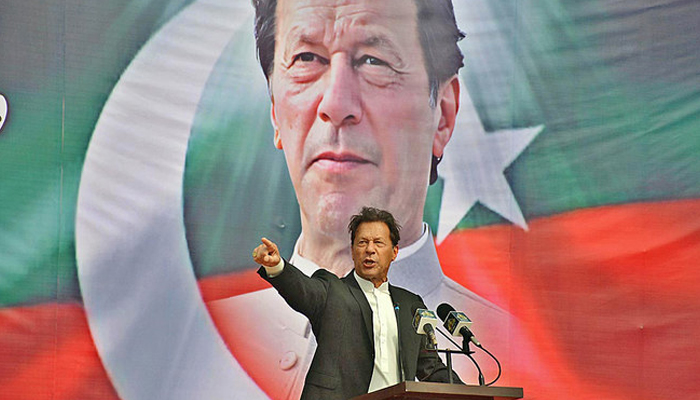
266 254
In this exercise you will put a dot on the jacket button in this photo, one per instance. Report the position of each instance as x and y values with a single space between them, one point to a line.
288 361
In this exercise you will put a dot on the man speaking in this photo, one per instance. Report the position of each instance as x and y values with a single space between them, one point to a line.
361 322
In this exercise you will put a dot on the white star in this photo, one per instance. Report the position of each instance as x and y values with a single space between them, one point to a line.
473 168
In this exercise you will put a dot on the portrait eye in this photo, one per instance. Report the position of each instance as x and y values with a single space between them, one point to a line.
371 60
308 57
306 67
376 71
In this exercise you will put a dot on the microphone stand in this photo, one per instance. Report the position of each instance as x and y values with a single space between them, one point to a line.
464 349
469 352
448 356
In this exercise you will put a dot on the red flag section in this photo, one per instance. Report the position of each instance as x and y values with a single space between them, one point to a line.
603 304
603 300
228 285
46 352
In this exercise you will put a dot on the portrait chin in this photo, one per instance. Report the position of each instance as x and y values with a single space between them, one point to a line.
329 212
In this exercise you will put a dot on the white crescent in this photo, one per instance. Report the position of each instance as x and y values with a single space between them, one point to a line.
144 308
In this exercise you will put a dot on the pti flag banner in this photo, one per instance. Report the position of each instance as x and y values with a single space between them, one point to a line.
146 146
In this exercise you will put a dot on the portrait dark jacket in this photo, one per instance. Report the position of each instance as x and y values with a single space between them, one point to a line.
341 319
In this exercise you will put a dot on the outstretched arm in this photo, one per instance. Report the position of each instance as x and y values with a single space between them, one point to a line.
304 294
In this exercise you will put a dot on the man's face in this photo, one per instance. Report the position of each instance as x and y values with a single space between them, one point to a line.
373 252
351 108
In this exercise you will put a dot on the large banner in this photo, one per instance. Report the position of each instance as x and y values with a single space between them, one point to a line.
550 190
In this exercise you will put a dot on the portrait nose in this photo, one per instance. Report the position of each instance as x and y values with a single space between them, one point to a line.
341 103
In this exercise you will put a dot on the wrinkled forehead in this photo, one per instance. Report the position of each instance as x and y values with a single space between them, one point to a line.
343 23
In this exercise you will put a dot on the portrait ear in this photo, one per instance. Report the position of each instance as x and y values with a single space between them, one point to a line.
447 107
273 120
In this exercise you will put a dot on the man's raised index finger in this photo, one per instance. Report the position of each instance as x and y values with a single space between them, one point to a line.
269 244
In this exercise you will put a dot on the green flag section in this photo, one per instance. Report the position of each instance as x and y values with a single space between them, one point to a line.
59 63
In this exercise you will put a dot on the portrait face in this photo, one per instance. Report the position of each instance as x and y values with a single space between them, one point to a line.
372 251
351 110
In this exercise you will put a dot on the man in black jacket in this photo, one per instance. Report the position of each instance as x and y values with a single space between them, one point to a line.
361 323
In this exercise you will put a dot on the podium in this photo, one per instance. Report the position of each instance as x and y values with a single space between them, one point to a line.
411 390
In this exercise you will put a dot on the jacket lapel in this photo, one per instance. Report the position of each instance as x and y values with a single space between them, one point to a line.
402 307
401 327
361 299
409 343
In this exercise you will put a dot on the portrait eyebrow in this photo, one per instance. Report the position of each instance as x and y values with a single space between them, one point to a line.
384 44
298 36
306 35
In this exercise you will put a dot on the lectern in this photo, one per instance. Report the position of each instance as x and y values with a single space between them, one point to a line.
430 390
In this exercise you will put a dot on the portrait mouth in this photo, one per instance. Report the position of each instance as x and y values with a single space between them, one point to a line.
339 162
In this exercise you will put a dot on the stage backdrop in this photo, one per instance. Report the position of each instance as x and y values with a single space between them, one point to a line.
134 136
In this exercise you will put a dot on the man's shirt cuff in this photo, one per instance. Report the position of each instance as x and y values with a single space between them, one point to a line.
276 270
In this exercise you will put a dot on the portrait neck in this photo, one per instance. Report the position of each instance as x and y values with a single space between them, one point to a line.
327 252
411 227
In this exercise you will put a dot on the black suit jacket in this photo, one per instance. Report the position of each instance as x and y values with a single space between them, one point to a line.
341 319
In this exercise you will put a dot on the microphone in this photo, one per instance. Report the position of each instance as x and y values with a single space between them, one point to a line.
424 322
456 322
